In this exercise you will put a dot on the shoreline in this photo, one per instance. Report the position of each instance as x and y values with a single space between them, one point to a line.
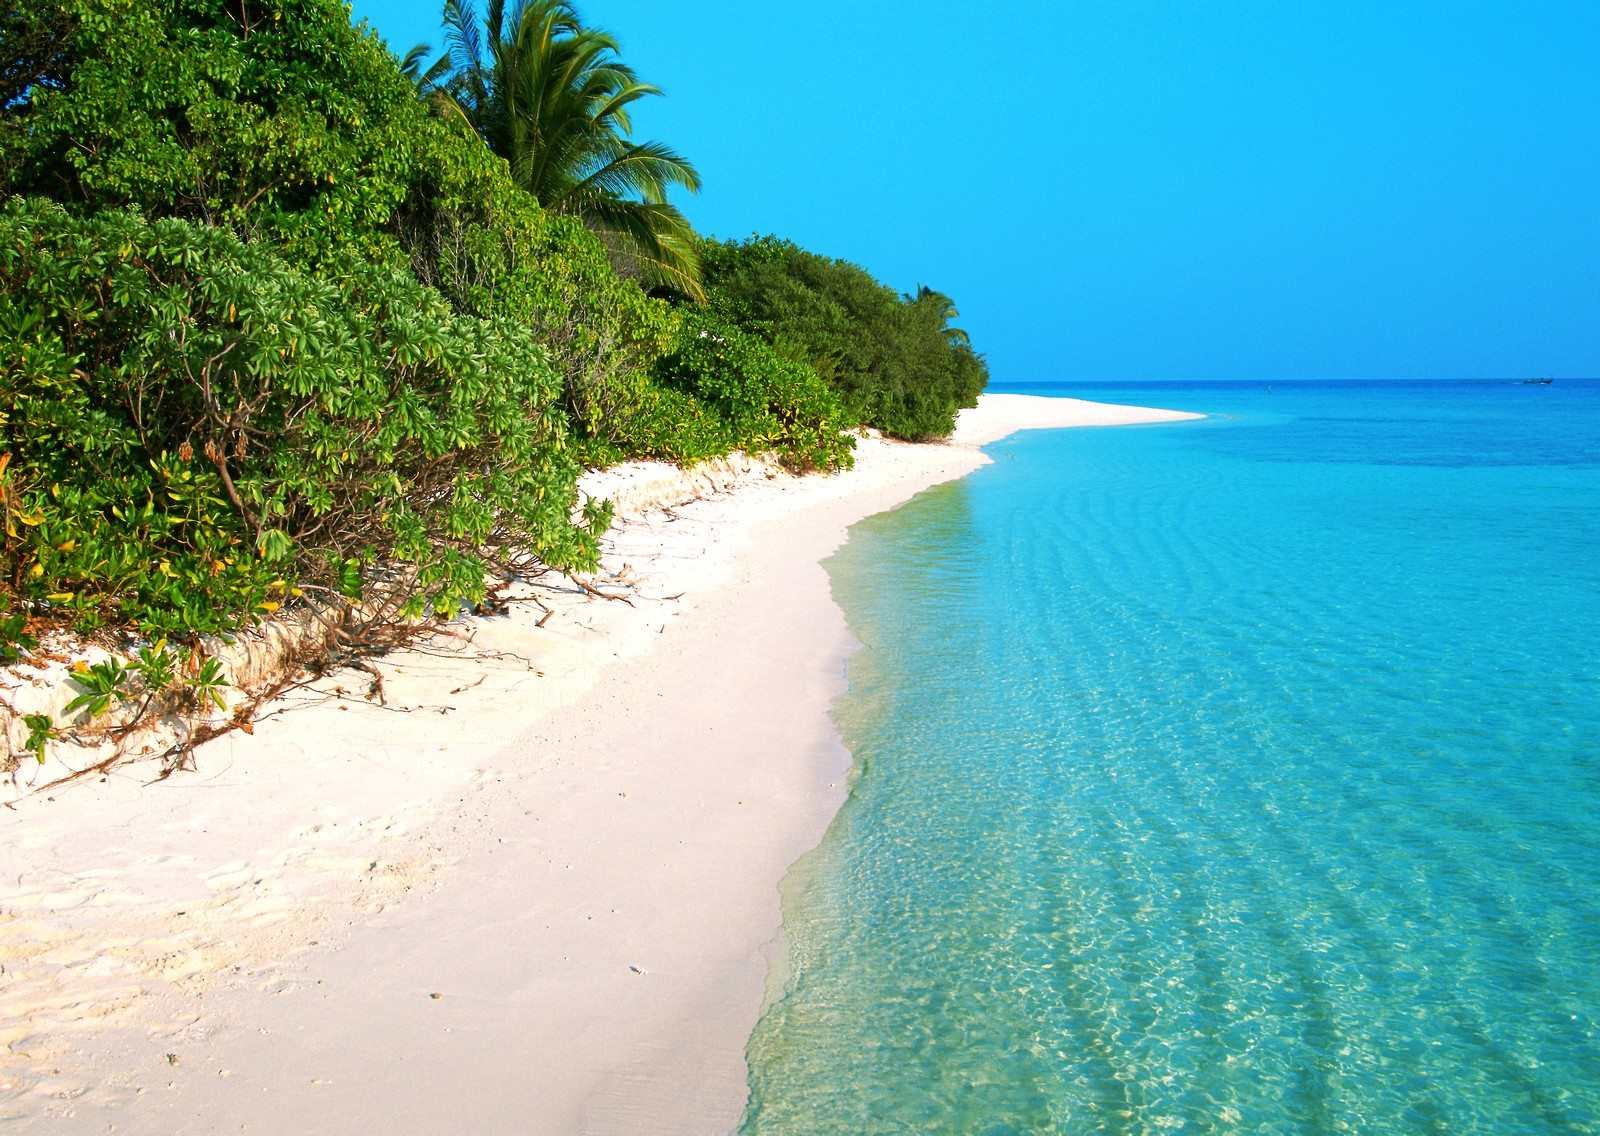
563 832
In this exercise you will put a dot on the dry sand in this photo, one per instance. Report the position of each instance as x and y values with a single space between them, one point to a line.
536 892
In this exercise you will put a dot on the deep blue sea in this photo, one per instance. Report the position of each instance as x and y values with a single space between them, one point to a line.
1235 776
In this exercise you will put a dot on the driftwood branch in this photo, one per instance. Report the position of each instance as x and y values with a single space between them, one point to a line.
594 591
376 689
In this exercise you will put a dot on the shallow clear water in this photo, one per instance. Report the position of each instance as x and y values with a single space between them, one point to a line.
1231 776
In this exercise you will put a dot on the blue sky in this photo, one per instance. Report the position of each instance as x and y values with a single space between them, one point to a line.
1159 189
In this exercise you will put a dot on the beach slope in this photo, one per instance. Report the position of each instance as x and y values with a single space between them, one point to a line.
527 882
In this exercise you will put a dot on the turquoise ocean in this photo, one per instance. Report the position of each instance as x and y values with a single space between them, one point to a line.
1232 776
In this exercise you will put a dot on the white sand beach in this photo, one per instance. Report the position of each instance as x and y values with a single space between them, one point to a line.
534 891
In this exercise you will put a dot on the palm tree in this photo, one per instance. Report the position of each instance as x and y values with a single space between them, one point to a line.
550 96
944 307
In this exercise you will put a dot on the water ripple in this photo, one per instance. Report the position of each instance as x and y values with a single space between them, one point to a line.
1194 800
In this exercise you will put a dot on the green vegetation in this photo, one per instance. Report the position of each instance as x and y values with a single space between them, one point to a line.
895 361
286 321
765 399
202 423
550 97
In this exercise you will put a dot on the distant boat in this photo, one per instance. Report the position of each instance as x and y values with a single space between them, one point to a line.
1537 382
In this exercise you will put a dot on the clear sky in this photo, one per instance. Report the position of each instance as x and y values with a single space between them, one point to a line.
1158 189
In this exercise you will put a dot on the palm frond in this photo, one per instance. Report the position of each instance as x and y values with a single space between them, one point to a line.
428 81
552 97
411 61
660 238
942 308
646 171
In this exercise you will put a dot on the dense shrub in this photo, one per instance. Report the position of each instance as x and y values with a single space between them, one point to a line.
894 360
628 360
195 428
768 402
280 118
288 124
288 325
492 251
